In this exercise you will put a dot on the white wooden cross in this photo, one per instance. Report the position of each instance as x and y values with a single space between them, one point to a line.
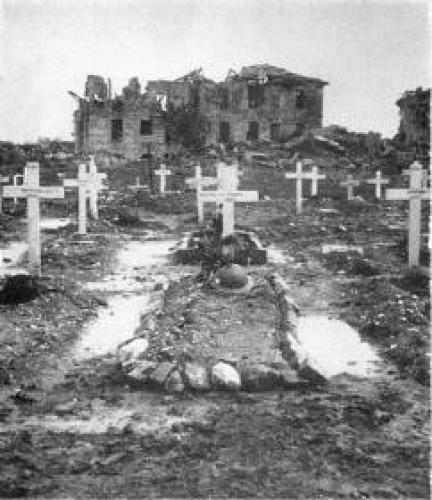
198 182
163 172
426 177
33 192
3 179
227 195
15 183
299 175
349 184
415 193
378 181
314 176
95 185
137 184
83 182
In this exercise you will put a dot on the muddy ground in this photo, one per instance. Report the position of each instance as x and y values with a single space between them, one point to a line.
73 425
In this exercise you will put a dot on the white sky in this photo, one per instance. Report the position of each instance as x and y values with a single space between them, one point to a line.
369 51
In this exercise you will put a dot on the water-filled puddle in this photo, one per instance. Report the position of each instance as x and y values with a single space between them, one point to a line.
337 347
114 324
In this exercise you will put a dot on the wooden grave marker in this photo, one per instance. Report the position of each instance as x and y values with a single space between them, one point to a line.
415 194
379 181
198 182
350 183
34 192
83 182
163 172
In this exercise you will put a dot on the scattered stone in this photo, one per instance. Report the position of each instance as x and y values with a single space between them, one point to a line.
159 375
142 370
232 276
130 352
259 377
196 376
225 376
174 382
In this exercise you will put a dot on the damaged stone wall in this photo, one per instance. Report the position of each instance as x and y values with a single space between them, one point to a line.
261 103
414 127
98 114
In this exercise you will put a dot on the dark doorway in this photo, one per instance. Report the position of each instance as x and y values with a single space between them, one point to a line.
117 130
275 132
253 132
224 132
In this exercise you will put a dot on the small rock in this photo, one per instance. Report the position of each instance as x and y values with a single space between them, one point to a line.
196 376
259 377
141 371
174 382
130 352
225 376
232 276
160 374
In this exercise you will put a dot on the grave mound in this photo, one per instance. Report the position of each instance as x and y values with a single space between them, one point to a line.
240 248
232 276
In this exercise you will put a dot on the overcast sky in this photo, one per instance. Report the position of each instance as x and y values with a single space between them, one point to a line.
369 51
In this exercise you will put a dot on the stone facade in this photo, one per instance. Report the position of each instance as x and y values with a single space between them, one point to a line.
260 103
414 127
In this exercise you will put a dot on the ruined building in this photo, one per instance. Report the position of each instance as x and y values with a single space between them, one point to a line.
261 102
414 127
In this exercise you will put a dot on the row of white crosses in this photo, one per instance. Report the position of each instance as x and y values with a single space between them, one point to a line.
299 175
350 183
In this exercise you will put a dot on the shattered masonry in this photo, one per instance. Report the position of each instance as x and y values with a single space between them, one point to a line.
414 110
262 102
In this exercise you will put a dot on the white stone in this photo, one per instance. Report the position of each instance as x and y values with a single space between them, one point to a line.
415 194
33 192
225 376
130 352
196 376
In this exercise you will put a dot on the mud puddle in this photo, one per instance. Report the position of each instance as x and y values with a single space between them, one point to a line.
337 347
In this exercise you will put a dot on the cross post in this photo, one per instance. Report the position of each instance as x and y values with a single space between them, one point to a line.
163 172
3 179
198 182
378 181
227 194
82 183
95 185
415 194
33 192
298 176
350 183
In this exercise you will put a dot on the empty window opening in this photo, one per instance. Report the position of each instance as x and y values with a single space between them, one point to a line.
300 99
224 132
253 132
146 127
255 95
275 132
116 130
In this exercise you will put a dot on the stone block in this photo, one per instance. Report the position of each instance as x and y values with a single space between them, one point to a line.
225 376
259 378
160 374
196 376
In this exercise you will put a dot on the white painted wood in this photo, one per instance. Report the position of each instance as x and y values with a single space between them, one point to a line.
198 182
227 195
33 192
379 181
17 183
298 176
163 172
415 193
314 176
96 185
3 180
83 183
350 183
